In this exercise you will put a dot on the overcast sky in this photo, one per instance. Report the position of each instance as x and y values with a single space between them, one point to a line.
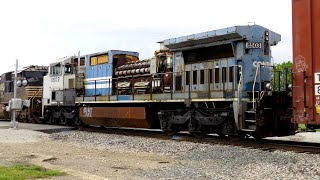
41 31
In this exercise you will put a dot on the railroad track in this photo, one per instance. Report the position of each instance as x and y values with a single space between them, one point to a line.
263 144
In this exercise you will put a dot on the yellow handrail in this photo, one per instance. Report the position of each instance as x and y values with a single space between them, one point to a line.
32 98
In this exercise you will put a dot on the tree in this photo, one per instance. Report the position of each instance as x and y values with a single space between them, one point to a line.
282 76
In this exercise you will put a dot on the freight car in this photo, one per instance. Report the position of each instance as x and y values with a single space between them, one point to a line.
213 82
306 63
29 82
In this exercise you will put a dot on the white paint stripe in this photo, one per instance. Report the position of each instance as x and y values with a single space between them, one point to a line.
98 86
98 82
98 78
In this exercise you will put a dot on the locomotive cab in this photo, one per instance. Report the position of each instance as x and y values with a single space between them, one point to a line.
61 86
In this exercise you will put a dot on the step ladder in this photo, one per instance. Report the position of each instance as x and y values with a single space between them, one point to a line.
250 120
250 123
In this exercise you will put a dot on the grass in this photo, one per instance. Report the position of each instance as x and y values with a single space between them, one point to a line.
23 171
303 127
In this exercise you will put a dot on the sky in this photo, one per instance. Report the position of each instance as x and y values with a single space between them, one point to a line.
37 32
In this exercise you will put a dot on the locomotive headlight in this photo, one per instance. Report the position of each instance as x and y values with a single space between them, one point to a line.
268 87
290 87
24 82
19 83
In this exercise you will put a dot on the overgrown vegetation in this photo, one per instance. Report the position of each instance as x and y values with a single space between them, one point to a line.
282 76
22 172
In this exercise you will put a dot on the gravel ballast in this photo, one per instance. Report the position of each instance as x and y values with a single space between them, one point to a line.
202 161
21 136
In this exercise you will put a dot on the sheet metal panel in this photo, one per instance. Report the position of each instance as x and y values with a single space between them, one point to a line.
306 54
97 82
222 36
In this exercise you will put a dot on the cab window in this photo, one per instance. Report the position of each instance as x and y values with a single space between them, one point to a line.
55 69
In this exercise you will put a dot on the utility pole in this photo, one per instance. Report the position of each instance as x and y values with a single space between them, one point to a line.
14 123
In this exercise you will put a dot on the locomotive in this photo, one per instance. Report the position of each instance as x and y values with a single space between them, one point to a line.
219 81
29 82
213 82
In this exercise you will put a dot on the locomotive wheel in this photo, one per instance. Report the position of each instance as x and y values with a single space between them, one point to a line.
25 120
221 135
51 120
63 120
313 127
36 119
236 137
170 132
200 134
78 121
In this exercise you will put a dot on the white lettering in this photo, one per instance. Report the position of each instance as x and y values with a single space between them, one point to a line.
87 111
317 78
317 90
253 45
261 63
55 79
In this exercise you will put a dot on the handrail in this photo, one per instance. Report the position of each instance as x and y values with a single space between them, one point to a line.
31 99
152 76
239 89
253 89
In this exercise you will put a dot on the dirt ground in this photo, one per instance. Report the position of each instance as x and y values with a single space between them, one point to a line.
80 162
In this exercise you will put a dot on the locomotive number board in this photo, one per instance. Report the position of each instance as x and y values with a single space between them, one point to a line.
253 45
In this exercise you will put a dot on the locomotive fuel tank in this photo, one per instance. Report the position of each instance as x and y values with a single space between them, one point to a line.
137 117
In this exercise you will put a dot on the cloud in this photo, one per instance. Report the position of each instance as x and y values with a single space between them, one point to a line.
39 32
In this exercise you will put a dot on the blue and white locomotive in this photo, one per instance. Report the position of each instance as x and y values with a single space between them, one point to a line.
213 82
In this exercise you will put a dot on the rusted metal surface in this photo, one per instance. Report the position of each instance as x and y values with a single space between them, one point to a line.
306 61
136 117
316 56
